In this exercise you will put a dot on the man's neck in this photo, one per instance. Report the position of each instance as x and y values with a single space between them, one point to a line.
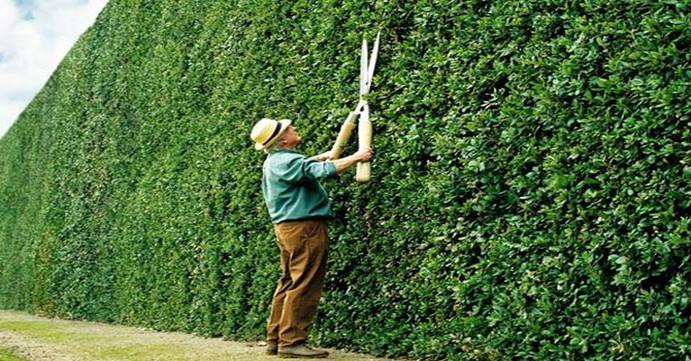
283 149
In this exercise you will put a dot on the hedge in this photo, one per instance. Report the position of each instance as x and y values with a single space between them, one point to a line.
530 195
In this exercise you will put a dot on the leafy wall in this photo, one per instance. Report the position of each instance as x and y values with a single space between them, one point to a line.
530 198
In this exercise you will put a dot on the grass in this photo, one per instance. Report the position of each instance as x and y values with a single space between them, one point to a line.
9 355
141 352
34 329
91 341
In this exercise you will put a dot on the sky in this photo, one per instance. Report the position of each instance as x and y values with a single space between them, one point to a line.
34 37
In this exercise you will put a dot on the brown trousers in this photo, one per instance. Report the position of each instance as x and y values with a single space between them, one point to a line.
303 245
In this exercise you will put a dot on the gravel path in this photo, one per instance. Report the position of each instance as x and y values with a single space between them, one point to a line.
45 339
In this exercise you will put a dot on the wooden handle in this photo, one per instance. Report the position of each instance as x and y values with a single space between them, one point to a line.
364 171
343 136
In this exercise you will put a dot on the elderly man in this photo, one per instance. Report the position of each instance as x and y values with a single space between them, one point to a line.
298 207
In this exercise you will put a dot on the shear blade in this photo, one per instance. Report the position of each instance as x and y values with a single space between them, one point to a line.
372 62
363 68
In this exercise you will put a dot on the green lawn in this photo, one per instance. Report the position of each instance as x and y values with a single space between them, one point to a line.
93 341
8 355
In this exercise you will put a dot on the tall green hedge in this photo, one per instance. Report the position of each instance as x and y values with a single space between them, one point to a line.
530 198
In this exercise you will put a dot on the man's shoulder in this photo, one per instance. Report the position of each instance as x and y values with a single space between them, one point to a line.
282 157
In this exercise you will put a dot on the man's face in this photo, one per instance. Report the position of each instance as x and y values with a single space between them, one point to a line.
291 137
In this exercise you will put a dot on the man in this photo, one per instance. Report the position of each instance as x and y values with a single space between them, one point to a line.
298 207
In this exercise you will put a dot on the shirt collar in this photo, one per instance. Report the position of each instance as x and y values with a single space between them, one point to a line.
283 150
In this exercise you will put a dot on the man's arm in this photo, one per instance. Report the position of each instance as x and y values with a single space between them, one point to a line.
345 163
321 157
299 167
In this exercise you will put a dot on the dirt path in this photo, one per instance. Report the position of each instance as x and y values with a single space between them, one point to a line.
44 339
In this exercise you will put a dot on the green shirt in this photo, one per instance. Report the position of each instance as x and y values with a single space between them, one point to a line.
291 188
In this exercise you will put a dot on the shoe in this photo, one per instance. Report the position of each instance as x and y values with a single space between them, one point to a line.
301 351
271 348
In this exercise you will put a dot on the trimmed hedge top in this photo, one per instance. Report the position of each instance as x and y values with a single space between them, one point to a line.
530 195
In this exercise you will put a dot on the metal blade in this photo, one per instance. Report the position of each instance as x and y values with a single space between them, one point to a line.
372 63
364 116
363 68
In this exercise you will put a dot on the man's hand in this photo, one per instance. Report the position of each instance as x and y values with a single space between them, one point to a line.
322 157
364 155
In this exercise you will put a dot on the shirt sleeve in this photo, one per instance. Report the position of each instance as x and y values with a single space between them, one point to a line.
299 167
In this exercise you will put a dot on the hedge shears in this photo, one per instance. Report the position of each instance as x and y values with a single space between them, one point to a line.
367 65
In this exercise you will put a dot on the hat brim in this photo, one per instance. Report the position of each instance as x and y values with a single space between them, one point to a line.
285 123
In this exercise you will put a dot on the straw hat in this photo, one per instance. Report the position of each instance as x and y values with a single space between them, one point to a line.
267 131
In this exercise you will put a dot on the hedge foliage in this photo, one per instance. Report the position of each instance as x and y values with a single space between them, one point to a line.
530 198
